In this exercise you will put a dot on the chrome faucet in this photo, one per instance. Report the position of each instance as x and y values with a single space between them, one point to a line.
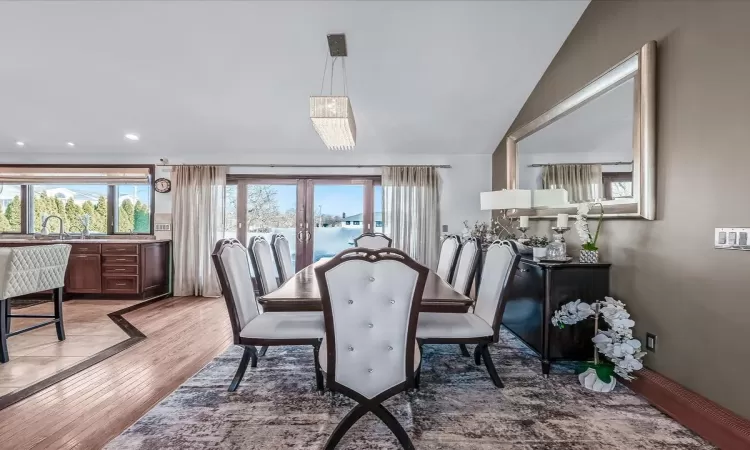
62 226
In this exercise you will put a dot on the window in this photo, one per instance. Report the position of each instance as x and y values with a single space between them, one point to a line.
617 185
10 208
107 199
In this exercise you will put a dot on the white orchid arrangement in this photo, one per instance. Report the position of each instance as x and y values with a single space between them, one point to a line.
582 226
616 343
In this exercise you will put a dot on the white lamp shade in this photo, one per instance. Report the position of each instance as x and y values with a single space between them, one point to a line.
505 199
549 198
333 119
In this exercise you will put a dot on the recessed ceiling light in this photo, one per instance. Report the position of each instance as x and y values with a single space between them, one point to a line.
71 144
132 137
20 143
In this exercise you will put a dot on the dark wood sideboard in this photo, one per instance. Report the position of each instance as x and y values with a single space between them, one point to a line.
138 269
537 291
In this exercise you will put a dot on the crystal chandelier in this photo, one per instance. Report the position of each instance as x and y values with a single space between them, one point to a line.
332 115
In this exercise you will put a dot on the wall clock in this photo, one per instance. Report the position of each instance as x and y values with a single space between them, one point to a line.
162 185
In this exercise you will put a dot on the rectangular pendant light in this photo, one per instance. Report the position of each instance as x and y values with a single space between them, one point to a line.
333 119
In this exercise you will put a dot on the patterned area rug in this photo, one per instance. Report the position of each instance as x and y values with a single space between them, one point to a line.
458 407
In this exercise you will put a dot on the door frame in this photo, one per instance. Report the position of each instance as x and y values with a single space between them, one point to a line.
305 209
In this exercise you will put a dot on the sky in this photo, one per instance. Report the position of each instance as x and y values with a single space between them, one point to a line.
143 191
334 199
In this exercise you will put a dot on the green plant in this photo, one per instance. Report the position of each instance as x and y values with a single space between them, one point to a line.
582 226
538 241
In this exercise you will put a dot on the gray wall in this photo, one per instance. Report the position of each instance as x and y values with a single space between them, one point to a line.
696 299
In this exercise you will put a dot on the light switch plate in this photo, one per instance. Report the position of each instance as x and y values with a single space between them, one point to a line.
162 227
732 238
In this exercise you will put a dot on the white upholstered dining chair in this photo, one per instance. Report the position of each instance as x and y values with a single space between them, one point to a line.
448 257
372 241
264 267
282 254
466 266
28 270
482 326
371 304
250 327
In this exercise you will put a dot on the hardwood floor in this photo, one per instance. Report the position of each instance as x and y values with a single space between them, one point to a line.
38 354
88 409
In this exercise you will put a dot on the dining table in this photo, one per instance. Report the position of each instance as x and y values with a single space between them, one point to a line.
301 293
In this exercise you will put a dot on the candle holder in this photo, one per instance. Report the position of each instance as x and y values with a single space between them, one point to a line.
558 249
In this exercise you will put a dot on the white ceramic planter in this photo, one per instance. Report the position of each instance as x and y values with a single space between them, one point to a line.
590 381
539 252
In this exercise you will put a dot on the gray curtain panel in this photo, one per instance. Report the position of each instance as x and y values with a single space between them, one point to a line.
411 211
582 181
198 222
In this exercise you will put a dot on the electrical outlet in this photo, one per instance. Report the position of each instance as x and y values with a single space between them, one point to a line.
445 228
651 342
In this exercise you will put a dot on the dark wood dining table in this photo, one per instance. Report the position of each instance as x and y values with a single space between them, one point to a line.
300 293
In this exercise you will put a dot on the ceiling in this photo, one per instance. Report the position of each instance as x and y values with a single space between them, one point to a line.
234 77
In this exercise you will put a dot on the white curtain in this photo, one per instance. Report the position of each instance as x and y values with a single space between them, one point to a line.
198 222
582 181
411 211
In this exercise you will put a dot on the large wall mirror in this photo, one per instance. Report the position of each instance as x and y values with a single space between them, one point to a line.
598 144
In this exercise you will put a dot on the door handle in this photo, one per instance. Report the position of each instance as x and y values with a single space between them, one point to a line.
307 236
299 237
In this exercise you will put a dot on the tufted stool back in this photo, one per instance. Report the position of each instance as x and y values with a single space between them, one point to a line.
263 264
26 270
371 304
232 265
372 241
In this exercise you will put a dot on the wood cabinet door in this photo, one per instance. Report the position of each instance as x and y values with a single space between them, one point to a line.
84 274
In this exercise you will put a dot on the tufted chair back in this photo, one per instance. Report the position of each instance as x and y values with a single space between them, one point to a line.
26 270
499 269
370 304
263 264
232 264
283 255
448 255
466 266
372 241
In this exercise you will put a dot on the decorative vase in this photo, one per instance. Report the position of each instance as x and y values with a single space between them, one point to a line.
591 381
589 256
557 250
539 252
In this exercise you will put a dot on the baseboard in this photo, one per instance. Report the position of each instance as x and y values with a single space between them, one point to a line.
714 423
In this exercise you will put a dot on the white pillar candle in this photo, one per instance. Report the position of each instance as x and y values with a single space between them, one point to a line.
524 222
562 221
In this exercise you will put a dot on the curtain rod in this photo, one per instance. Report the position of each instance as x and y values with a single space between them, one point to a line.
319 166
615 163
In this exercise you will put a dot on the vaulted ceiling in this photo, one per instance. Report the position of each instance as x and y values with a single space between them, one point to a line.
423 76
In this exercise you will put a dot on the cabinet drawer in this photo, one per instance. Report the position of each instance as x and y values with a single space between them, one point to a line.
120 270
119 249
120 284
79 249
119 260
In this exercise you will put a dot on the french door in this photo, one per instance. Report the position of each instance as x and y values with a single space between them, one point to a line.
318 216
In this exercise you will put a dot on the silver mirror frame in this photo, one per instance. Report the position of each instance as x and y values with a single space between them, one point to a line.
641 66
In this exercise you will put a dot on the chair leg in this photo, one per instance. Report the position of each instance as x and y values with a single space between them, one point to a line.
395 427
254 360
246 355
4 329
318 372
417 378
464 350
346 423
491 366
478 354
263 351
7 315
58 298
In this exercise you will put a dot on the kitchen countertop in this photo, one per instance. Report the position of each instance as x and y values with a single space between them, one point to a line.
81 241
